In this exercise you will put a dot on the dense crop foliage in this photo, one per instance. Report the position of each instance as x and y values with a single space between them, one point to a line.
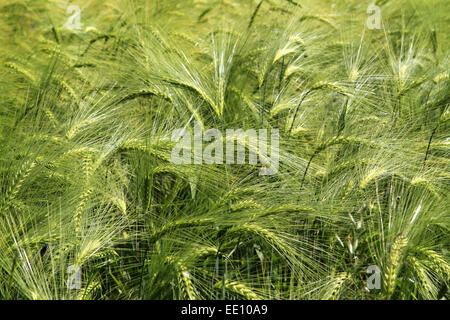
87 181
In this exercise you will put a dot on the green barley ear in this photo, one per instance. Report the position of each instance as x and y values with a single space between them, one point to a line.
394 263
147 93
318 18
370 176
331 86
441 77
50 116
335 286
255 12
436 262
240 288
185 278
21 70
86 293
427 288
70 91
18 181
83 200
179 224
251 106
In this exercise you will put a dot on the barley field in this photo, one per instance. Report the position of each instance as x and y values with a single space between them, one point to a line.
94 207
